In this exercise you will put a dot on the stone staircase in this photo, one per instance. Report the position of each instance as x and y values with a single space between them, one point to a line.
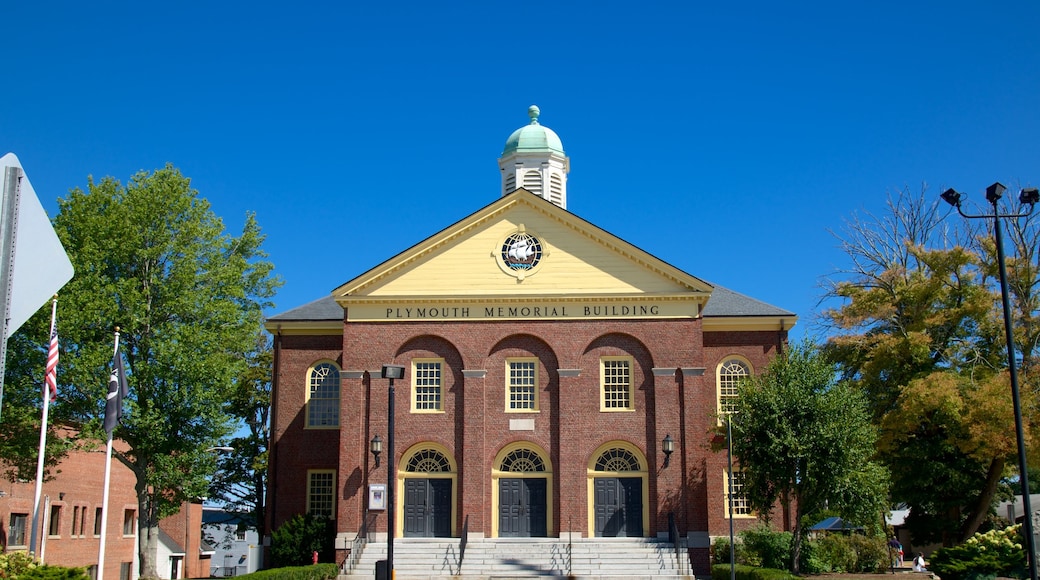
507 558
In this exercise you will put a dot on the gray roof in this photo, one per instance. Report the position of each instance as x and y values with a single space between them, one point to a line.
724 302
325 308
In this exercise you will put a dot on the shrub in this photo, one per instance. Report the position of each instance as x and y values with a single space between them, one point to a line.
994 553
296 540
720 552
743 572
47 572
15 564
850 554
319 572
767 548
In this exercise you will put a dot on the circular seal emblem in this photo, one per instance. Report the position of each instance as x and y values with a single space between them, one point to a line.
521 251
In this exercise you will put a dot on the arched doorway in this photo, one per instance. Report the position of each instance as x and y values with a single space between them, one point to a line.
522 502
618 489
428 485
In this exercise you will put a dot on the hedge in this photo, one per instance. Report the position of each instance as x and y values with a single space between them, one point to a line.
721 572
314 572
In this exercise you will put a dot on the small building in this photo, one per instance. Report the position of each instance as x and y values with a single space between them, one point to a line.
235 541
70 515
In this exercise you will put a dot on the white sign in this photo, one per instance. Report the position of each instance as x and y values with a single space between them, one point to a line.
41 266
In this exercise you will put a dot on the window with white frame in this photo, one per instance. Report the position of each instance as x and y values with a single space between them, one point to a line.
616 384
321 497
522 385
323 396
741 506
427 391
730 373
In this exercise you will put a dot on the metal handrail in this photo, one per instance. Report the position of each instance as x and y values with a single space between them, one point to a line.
678 542
462 544
358 545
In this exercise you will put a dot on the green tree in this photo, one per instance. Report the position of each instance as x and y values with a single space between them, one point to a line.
152 259
920 331
240 483
806 440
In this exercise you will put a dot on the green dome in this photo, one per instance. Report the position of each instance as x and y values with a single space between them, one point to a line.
533 138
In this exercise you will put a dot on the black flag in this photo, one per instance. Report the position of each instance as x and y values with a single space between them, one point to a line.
117 389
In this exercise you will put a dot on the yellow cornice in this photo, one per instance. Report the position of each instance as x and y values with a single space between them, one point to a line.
748 323
306 327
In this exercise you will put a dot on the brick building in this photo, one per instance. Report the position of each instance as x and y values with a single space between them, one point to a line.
548 366
70 515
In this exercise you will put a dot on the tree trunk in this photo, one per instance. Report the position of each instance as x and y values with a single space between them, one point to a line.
796 540
148 537
980 508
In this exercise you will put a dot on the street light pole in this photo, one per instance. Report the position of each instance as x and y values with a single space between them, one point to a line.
729 495
391 372
1027 197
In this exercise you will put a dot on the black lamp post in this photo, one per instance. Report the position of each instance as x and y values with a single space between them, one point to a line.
1027 197
390 372
668 446
729 495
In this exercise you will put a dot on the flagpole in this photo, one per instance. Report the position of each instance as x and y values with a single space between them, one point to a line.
104 496
43 430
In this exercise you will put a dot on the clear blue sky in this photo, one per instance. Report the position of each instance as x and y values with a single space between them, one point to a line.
726 138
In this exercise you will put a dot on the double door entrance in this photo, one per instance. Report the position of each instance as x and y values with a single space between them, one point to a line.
427 508
522 508
619 507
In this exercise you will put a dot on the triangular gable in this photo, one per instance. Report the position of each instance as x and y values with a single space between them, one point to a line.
519 251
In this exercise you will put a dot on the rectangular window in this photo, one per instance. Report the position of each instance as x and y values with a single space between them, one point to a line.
240 534
426 385
741 507
75 521
97 521
522 385
16 531
125 571
54 526
616 384
128 522
82 521
92 571
321 485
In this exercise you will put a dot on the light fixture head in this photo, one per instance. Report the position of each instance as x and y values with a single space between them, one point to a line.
995 192
376 447
1029 196
668 446
952 197
393 372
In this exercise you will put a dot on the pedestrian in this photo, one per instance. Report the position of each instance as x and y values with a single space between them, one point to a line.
896 549
919 564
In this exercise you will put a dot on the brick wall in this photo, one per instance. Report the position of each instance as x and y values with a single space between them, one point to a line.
568 426
77 487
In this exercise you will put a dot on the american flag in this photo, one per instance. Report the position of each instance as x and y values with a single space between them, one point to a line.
52 364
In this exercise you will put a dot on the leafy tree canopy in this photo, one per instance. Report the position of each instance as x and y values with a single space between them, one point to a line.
152 259
805 439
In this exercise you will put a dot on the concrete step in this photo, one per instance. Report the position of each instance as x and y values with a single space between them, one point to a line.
502 559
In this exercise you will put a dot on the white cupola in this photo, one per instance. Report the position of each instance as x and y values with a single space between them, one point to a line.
533 159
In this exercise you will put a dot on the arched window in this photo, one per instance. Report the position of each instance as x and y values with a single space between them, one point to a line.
617 459
323 396
533 182
428 461
522 461
730 373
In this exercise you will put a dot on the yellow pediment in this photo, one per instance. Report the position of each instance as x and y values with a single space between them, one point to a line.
520 250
